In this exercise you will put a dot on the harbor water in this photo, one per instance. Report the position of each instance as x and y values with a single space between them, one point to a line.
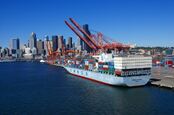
34 88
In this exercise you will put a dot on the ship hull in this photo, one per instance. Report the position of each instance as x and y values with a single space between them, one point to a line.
109 79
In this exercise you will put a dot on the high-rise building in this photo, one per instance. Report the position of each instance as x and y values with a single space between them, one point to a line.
33 41
15 44
64 43
85 46
15 47
69 42
60 42
40 47
46 39
73 46
55 42
79 44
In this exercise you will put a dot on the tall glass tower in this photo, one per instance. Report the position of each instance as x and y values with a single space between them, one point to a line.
15 44
33 41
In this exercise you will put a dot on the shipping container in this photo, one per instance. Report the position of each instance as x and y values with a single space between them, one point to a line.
86 62
105 66
111 63
91 67
86 67
118 72
170 62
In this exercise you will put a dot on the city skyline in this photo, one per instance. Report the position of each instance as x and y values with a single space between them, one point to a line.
148 23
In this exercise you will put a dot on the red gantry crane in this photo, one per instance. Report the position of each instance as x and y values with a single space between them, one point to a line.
95 42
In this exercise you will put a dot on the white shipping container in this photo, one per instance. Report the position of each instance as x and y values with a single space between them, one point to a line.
90 66
69 61
77 62
86 62
96 64
105 66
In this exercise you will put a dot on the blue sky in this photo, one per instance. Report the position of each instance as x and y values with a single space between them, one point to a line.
144 22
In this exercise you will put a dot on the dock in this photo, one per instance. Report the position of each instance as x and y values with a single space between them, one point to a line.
163 77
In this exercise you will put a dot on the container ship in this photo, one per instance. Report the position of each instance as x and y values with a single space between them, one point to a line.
105 61
130 70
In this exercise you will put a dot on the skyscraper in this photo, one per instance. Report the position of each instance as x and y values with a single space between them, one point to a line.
46 39
40 47
69 42
85 46
55 42
60 42
15 44
33 40
79 44
64 43
15 48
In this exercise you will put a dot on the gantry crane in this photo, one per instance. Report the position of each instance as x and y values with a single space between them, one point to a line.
94 42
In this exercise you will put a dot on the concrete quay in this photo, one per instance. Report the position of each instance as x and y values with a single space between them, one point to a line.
162 77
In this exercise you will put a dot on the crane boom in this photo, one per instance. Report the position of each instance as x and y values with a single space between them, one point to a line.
84 32
79 35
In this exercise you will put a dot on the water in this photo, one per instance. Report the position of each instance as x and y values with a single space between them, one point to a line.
33 88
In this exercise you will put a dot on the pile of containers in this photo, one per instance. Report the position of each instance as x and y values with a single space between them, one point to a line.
107 67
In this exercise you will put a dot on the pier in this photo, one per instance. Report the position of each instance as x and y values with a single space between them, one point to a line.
163 77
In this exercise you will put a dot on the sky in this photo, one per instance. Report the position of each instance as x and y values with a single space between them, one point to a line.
141 22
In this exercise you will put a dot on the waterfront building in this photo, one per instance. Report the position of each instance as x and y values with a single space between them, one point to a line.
27 53
15 48
4 52
40 47
23 47
33 40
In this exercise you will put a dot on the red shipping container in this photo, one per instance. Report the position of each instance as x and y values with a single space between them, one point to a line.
117 72
86 67
104 68
170 62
